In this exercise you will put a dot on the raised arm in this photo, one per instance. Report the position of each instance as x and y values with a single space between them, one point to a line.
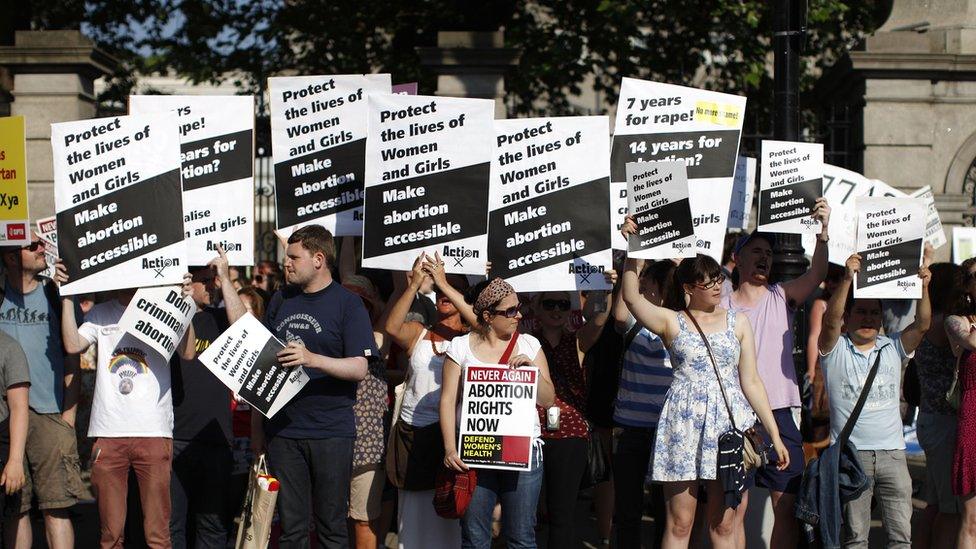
620 312
405 333
347 258
70 338
815 323
753 388
434 268
232 302
799 289
661 321
589 333
833 318
911 337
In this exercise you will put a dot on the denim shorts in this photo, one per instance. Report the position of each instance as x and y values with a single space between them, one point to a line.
787 480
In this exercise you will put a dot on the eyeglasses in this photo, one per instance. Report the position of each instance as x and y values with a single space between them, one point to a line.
717 281
510 312
33 246
551 304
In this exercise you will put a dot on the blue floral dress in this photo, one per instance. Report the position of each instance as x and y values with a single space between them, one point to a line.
694 414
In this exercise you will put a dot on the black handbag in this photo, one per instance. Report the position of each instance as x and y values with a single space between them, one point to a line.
597 460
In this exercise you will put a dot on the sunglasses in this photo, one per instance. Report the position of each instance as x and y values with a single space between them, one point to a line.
717 281
552 304
33 246
510 312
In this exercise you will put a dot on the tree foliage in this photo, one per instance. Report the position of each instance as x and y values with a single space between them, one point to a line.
566 45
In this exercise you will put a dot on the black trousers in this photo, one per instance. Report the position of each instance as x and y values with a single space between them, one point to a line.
564 461
631 457
199 491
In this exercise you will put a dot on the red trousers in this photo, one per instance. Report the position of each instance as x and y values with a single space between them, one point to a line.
151 459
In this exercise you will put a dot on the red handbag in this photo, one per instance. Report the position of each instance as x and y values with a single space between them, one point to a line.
452 489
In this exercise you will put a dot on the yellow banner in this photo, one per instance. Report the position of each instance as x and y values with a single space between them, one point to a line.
723 115
13 183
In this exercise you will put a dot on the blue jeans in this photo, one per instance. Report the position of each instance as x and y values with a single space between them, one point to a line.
519 495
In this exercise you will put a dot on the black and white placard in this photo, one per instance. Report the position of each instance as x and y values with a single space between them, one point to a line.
934 233
119 202
658 196
427 169
790 182
743 193
159 317
217 151
618 212
658 121
549 221
890 233
244 358
318 141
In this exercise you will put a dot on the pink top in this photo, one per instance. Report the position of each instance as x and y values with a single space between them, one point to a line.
771 323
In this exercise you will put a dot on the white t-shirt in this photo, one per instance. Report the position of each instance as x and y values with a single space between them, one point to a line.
132 382
460 352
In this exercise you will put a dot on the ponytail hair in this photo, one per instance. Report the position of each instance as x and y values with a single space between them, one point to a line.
691 270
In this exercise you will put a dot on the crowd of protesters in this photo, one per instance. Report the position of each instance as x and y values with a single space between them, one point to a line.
656 373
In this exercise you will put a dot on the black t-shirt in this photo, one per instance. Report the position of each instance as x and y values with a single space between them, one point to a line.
332 322
201 403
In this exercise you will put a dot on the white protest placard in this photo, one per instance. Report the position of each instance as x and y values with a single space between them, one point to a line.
318 141
618 211
119 202
427 169
743 192
244 358
658 196
790 182
549 207
658 121
890 233
934 233
963 244
880 188
217 154
498 417
159 317
840 188
47 230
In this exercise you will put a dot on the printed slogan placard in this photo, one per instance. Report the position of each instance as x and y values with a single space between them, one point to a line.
890 232
658 196
427 167
498 417
47 230
119 202
791 181
743 191
701 128
318 140
159 317
217 154
549 221
13 183
244 358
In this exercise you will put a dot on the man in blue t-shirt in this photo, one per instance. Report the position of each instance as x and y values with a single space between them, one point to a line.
310 441
846 359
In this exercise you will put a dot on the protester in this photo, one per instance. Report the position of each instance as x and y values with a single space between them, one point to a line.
847 359
14 412
960 326
202 431
32 313
697 406
416 446
132 418
497 309
645 377
309 442
770 308
566 445
937 420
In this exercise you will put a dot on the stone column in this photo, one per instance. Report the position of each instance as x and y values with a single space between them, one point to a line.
471 64
53 81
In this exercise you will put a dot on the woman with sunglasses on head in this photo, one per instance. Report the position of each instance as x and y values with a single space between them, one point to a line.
714 360
497 310
416 447
566 438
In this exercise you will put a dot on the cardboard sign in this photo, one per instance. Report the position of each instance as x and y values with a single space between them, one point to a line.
14 224
701 128
934 233
217 154
549 222
890 233
498 416
743 192
618 212
119 202
427 175
791 181
244 358
658 196
963 244
318 141
159 317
